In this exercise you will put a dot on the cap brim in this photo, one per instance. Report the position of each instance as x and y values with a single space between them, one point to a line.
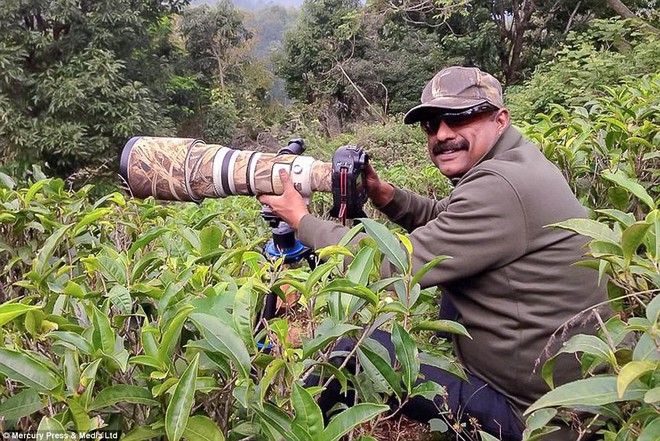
418 113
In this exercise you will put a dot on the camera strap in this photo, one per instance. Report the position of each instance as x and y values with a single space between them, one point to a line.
343 194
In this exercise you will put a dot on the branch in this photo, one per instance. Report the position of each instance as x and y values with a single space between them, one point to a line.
570 19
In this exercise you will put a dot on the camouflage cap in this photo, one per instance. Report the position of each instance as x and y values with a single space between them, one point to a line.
457 88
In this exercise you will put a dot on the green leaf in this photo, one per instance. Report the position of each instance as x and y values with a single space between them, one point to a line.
181 402
210 238
143 265
487 437
429 390
589 228
319 272
53 429
33 190
625 219
652 396
145 239
79 415
308 413
594 391
143 434
387 243
273 368
441 326
243 306
42 262
327 332
361 266
279 421
23 404
406 353
381 284
426 268
224 339
632 238
651 432
631 372
113 266
653 310
588 344
382 367
89 218
646 348
74 289
77 340
122 393
446 364
620 178
103 336
538 420
7 181
348 287
172 333
351 418
120 296
202 428
407 244
438 425
358 272
21 367
9 311
339 375
350 235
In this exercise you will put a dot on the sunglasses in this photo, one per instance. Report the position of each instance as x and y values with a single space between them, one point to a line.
454 119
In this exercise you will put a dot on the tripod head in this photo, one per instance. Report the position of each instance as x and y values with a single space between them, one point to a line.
283 242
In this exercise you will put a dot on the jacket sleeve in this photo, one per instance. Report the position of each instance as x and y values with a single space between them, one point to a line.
482 227
410 210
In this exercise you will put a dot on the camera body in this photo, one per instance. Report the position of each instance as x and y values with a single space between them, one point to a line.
349 192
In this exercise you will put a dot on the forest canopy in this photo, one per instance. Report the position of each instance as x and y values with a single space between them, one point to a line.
78 79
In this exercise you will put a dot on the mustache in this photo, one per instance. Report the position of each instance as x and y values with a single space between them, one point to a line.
454 144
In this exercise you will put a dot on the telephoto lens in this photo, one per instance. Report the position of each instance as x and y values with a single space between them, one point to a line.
187 169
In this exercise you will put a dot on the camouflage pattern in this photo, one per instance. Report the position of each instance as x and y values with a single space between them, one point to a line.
190 170
155 168
457 88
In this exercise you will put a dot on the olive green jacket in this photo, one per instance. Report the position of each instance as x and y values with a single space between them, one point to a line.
511 277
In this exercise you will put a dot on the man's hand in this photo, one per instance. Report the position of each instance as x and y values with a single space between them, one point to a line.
379 191
290 205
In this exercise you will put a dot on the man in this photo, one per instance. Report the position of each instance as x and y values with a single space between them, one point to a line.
511 280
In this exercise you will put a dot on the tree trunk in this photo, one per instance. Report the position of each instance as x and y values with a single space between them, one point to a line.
620 8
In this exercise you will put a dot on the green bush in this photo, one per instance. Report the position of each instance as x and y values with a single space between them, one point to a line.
609 53
608 151
141 317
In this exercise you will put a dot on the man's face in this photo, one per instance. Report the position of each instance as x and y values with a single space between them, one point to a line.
457 143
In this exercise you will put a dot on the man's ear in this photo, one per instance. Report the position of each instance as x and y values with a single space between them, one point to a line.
502 118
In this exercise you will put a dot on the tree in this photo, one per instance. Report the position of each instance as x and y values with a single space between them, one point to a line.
518 33
236 85
327 34
215 38
70 91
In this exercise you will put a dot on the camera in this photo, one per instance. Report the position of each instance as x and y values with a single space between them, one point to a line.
186 169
